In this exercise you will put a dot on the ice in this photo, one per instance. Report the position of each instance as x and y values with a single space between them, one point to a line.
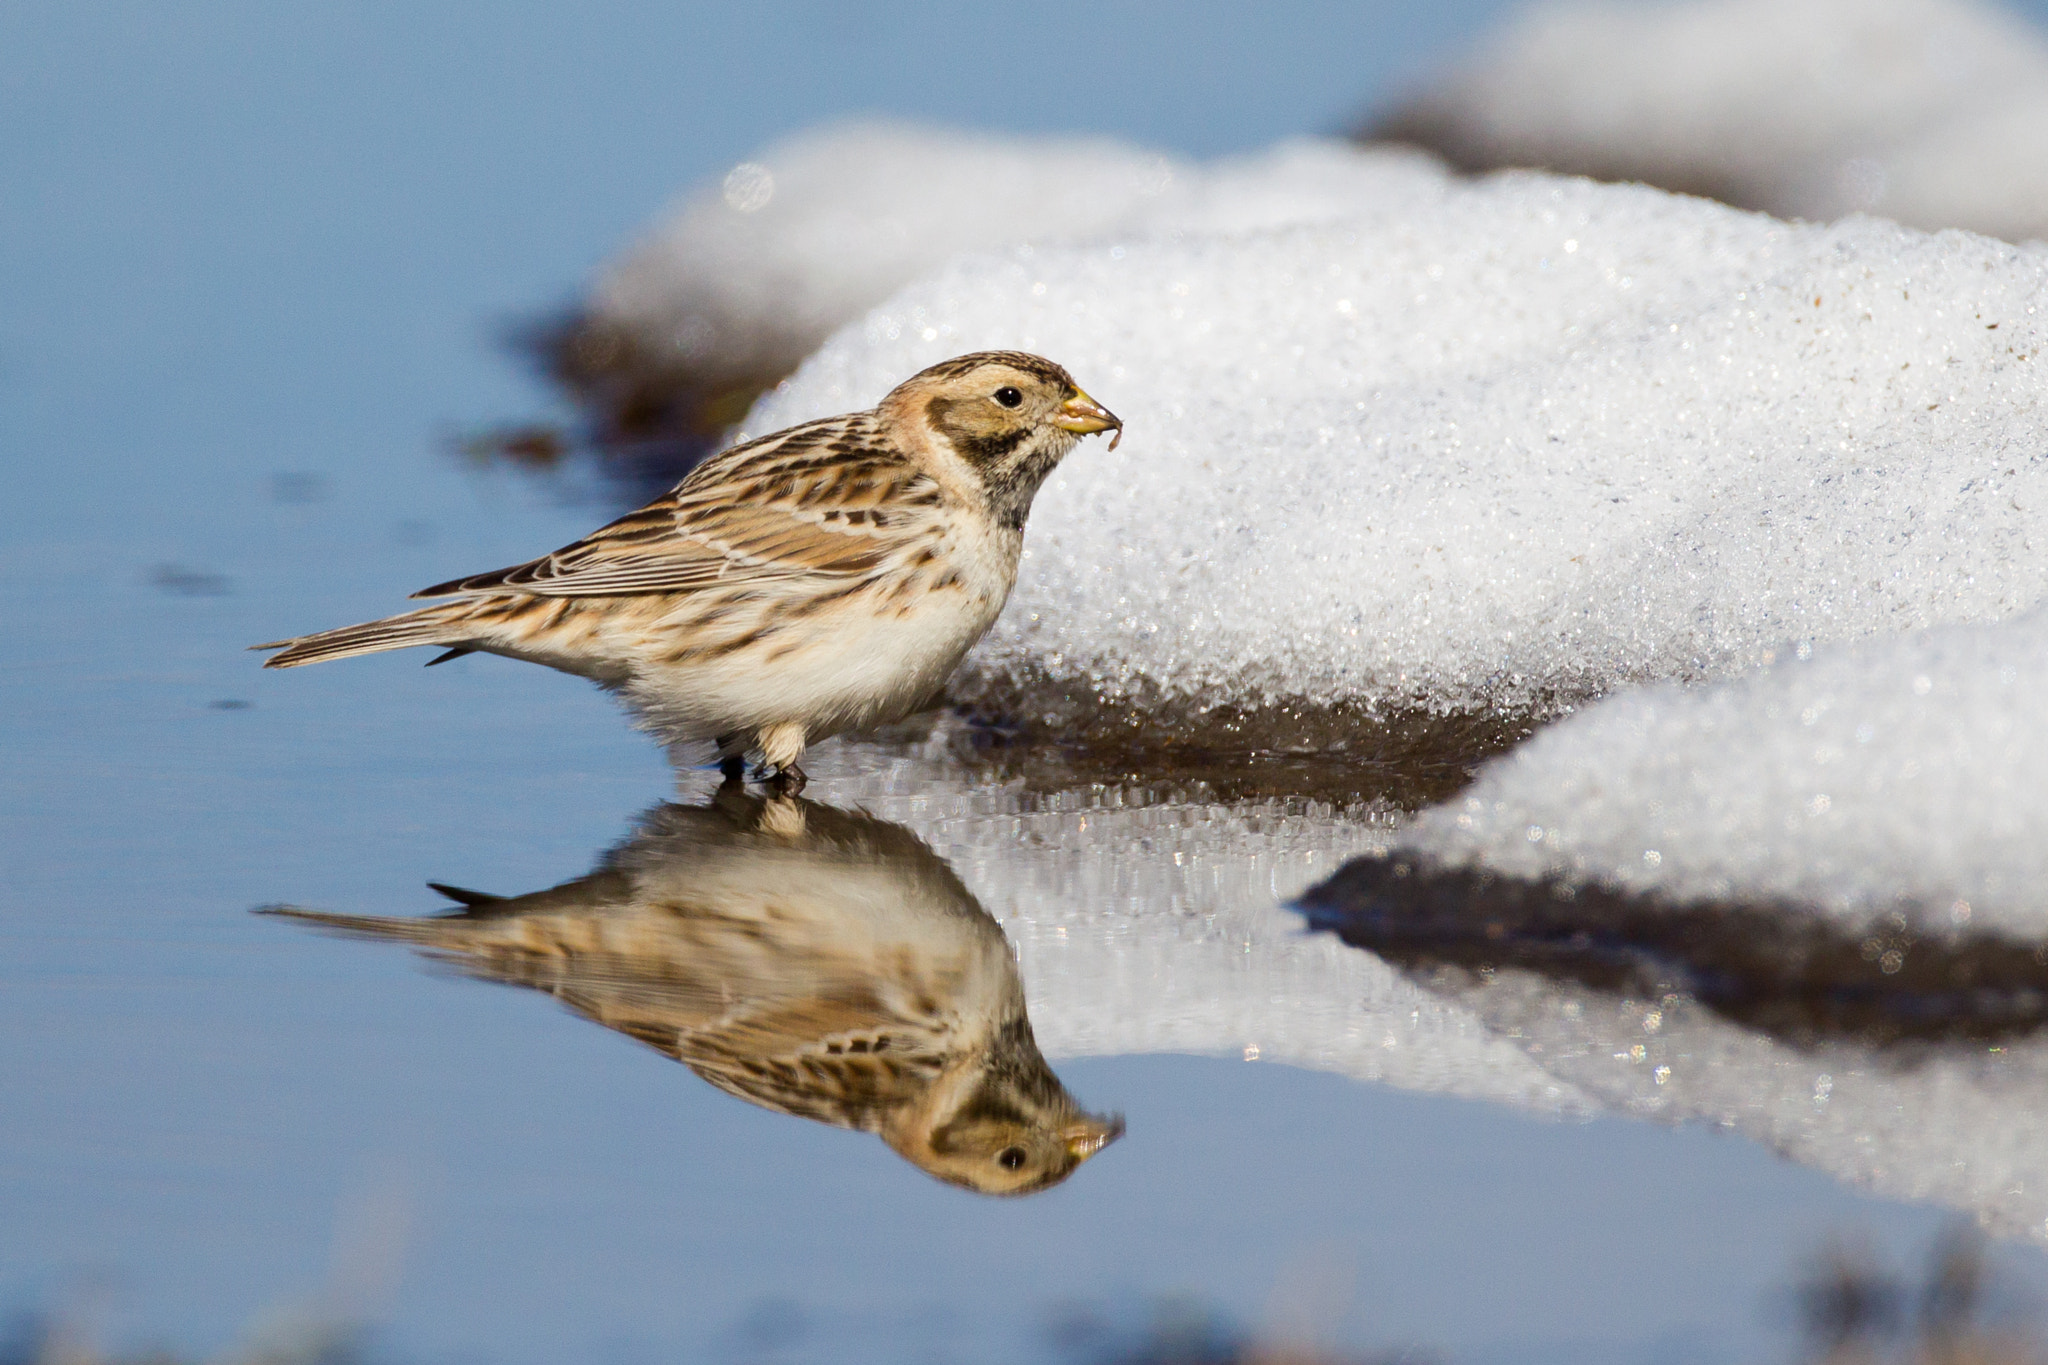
1932 112
1899 776
747 276
1498 446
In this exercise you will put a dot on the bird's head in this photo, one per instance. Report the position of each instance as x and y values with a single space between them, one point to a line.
1008 417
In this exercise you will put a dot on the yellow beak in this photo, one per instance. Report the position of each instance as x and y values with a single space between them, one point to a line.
1089 1136
1083 414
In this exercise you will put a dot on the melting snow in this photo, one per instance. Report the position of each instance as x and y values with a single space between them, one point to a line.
1902 775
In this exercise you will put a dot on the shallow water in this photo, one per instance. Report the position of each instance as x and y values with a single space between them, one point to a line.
216 1093
252 267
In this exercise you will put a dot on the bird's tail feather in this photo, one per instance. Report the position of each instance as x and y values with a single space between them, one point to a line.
360 926
439 625
410 928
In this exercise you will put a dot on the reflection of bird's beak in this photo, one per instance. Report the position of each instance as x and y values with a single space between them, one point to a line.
1083 414
1089 1136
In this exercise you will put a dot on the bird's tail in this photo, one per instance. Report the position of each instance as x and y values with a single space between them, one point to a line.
411 928
436 625
358 926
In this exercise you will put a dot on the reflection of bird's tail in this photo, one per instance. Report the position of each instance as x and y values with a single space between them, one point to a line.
436 625
407 928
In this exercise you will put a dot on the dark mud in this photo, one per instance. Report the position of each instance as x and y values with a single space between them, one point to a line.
1053 736
648 416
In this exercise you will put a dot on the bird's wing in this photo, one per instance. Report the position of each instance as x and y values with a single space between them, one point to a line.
831 499
848 1061
845 1017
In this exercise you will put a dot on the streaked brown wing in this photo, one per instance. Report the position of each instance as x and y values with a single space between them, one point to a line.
845 1057
848 1062
828 499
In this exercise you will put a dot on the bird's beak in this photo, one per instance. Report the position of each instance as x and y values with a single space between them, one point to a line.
1089 1136
1083 414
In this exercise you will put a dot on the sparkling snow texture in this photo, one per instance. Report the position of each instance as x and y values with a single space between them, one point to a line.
1903 775
1498 445
746 277
1931 112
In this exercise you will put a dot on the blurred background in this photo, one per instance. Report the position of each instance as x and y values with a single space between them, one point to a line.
269 279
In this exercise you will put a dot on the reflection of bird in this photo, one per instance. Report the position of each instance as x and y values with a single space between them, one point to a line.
824 578
814 961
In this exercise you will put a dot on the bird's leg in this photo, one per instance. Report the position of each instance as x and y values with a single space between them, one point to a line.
782 744
732 758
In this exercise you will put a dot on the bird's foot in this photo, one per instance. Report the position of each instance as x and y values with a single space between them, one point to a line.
733 771
788 780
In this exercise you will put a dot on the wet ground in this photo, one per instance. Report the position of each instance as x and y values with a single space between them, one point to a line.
253 268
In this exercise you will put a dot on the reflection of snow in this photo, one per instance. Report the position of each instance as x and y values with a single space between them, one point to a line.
1498 444
1932 112
1159 928
1154 928
1959 1127
1897 775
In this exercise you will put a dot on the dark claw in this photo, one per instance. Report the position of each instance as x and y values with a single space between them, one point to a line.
788 781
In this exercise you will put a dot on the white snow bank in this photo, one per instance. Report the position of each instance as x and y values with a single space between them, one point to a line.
1491 445
1932 112
1904 775
747 276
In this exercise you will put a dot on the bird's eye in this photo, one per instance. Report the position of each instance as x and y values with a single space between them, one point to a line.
1009 397
1010 1158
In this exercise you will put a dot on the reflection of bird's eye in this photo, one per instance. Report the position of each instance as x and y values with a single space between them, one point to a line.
1009 398
1010 1158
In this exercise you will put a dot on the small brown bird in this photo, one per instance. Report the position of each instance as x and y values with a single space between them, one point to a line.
824 578
813 961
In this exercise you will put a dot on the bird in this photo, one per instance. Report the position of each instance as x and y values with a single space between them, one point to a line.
823 578
814 961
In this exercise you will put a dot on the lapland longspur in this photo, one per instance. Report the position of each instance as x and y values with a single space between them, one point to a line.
820 579
814 961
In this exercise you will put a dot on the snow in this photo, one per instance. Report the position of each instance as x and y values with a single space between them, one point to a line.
1897 776
1931 112
745 277
1505 445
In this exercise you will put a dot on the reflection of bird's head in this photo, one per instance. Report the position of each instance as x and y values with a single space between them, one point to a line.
1000 1122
